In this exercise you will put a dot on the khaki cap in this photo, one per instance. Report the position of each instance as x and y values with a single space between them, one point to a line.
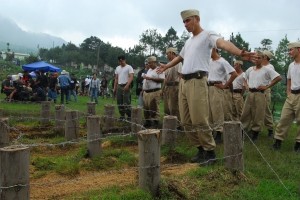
151 59
294 45
268 53
239 62
188 13
172 49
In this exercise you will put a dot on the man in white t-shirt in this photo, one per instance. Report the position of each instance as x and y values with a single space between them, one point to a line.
123 78
151 93
219 68
238 88
193 90
268 116
258 78
291 108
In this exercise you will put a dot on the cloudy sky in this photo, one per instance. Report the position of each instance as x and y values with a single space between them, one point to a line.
121 22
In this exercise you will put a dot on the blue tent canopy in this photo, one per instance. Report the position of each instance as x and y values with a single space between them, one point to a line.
41 65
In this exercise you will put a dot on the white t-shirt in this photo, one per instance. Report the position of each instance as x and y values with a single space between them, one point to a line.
294 75
123 73
197 50
260 77
271 67
219 69
149 84
238 82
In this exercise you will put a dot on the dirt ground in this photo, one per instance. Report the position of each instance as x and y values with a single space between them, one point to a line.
53 186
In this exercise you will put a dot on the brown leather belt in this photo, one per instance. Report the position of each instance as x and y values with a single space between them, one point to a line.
295 91
255 90
212 83
237 91
172 83
152 90
197 75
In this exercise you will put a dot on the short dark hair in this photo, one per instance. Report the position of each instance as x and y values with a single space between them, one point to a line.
122 57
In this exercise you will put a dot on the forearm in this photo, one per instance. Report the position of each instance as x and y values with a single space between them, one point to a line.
229 46
174 62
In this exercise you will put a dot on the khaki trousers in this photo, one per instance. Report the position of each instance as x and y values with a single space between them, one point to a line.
268 115
151 105
228 105
238 104
171 101
254 111
216 115
289 113
194 112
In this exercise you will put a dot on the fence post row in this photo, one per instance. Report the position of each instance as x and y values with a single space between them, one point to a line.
94 136
91 108
233 146
14 172
4 132
108 119
136 119
149 160
60 117
45 112
169 132
71 125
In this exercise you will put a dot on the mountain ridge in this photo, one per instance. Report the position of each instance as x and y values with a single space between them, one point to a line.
23 41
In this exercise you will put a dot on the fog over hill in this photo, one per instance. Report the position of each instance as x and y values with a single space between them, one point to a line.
23 41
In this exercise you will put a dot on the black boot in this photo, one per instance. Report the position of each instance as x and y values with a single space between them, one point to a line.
209 158
254 135
270 133
277 144
297 147
218 137
199 157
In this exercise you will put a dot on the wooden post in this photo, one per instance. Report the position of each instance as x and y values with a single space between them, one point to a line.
136 119
60 117
94 135
4 132
109 112
91 108
72 125
233 146
149 160
14 172
169 132
45 112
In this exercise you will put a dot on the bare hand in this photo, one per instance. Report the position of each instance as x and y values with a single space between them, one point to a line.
248 56
161 69
262 87
220 85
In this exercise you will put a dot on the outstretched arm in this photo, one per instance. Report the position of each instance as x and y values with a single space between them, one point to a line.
231 48
164 67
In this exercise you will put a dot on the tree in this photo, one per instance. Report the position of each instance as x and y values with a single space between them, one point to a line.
241 44
31 59
169 40
150 40
282 58
266 43
183 38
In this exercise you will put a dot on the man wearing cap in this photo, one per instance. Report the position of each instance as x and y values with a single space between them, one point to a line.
238 88
291 108
219 68
258 78
123 78
193 90
171 83
64 84
268 115
139 83
151 95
